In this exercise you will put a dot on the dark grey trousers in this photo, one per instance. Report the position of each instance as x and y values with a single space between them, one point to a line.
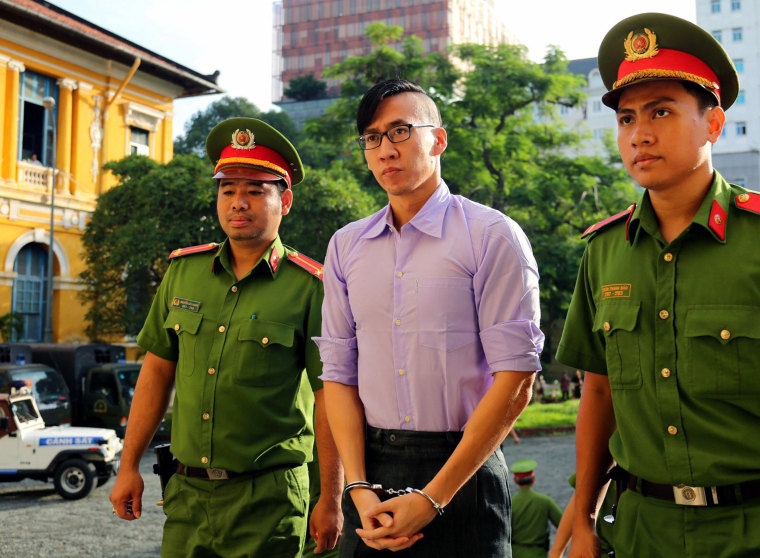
475 524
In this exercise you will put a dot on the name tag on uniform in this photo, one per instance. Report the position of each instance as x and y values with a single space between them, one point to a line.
617 290
186 304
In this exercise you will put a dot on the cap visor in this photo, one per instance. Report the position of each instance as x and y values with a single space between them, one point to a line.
249 173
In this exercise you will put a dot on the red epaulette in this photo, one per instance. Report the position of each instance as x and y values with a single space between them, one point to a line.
312 266
193 250
601 225
749 201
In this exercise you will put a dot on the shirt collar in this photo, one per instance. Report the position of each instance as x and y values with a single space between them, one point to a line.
428 220
270 260
711 215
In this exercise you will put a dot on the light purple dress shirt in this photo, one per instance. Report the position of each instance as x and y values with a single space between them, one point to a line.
422 319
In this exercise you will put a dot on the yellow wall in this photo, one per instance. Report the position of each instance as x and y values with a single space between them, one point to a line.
86 84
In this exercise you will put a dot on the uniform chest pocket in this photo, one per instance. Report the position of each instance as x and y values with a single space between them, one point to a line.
446 316
266 353
618 321
723 350
185 325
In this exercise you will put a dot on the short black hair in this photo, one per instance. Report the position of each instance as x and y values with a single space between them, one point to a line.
388 88
525 481
705 99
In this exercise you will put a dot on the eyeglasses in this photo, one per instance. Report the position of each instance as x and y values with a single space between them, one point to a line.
397 134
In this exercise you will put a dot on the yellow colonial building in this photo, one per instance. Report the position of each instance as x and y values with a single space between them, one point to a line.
73 96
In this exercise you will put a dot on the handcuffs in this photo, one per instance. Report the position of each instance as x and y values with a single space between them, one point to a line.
379 490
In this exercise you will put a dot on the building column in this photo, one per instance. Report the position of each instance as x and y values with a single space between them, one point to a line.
10 140
3 95
168 142
63 146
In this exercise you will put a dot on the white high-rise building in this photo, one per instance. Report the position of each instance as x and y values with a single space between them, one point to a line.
736 24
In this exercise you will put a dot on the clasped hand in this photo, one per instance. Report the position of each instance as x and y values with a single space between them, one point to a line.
394 524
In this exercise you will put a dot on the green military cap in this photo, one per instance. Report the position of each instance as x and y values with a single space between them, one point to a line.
250 148
654 46
524 467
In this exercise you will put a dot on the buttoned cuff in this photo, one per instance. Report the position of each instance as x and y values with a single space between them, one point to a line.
514 345
339 360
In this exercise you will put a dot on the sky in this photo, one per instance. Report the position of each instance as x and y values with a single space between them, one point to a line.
235 36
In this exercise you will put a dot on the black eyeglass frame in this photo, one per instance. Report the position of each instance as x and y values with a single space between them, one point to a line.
362 142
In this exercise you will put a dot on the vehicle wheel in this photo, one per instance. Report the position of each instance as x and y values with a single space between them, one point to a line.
74 479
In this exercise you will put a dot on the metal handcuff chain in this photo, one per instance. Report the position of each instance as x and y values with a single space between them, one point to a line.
378 488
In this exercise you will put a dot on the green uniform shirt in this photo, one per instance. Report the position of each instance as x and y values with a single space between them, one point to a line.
531 514
676 328
241 348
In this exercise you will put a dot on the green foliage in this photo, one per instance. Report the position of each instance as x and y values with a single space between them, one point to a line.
201 123
11 323
325 201
542 415
154 209
305 88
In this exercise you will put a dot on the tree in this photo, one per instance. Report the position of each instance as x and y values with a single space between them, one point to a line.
305 88
201 123
154 209
11 323
325 201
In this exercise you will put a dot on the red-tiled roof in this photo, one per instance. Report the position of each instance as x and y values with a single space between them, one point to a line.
54 22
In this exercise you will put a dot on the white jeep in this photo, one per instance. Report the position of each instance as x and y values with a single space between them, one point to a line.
74 457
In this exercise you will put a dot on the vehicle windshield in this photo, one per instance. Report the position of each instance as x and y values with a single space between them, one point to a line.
24 411
128 380
47 387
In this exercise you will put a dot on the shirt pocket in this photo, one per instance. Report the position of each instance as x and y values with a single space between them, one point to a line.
266 353
618 321
723 350
186 326
446 315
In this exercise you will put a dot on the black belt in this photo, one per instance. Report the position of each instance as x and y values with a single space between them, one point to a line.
697 495
214 473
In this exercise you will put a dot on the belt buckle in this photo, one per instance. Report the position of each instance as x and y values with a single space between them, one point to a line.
217 474
689 495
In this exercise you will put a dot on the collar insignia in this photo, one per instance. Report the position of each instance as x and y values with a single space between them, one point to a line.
640 45
243 139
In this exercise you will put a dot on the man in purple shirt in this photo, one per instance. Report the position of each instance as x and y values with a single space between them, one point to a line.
430 341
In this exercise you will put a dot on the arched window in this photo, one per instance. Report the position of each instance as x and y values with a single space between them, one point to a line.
594 78
29 290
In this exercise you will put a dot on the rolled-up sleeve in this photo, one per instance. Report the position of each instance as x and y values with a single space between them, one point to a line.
337 345
507 298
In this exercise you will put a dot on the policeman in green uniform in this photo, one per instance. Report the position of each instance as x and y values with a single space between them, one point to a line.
531 514
231 326
665 312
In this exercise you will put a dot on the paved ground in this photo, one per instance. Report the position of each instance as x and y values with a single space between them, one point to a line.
37 522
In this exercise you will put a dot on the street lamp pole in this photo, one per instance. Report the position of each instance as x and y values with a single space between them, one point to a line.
49 104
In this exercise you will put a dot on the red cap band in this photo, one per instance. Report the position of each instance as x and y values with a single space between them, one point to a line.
260 157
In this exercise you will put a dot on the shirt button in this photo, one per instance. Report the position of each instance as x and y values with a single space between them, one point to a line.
665 372
234 288
725 335
672 430
398 322
743 198
401 372
176 327
265 340
606 326
206 416
211 371
664 314
204 460
400 274
407 419
668 257
221 329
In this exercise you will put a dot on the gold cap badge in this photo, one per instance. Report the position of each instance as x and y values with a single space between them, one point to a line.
243 139
640 45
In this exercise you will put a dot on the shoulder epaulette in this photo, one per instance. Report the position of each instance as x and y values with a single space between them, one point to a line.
601 225
312 266
749 201
193 250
